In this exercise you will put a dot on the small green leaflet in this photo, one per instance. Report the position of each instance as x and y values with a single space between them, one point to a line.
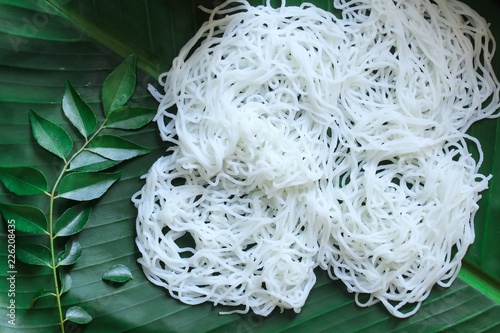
71 253
130 117
66 282
115 148
73 220
118 273
27 218
90 162
24 180
119 85
84 186
50 136
78 315
34 254
78 111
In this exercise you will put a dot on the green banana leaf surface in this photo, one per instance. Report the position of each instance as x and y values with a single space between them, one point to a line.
44 43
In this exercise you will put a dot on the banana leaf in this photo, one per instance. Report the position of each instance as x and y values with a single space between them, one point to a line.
44 43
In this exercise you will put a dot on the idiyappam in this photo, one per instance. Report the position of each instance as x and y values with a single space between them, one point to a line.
300 140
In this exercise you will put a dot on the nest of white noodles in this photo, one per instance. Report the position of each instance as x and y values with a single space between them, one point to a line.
303 140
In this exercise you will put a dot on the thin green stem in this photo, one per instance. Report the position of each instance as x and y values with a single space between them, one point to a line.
87 142
53 257
52 237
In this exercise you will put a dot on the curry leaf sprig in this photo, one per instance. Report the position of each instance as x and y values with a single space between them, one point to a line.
82 179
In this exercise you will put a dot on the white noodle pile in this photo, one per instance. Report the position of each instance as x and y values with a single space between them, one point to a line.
302 140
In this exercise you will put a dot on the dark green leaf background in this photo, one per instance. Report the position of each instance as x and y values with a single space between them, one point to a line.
45 43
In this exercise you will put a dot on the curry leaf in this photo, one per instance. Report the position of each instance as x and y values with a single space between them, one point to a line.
34 254
23 180
78 111
71 253
78 315
73 220
130 117
119 85
118 273
116 148
66 282
50 136
84 186
27 218
90 162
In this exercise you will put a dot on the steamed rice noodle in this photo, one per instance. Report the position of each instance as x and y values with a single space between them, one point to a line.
301 140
